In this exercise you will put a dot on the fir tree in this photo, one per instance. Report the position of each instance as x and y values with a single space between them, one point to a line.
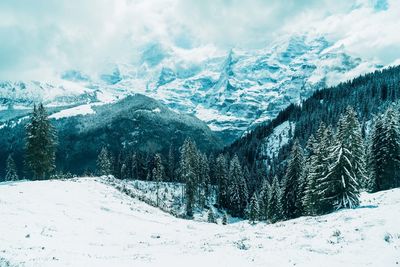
104 162
171 164
385 152
189 173
221 176
204 185
158 172
253 209
225 219
238 192
339 188
275 212
317 168
309 190
211 217
292 191
349 133
264 200
11 170
40 144
134 167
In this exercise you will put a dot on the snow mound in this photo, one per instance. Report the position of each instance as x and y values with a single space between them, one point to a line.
84 222
75 111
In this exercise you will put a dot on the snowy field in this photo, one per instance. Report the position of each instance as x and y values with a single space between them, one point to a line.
84 222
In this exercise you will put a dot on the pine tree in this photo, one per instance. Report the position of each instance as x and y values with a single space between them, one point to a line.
189 173
40 144
221 176
104 162
349 132
134 167
385 152
317 169
225 219
211 217
234 204
292 191
11 170
253 209
158 173
124 171
310 181
238 192
275 212
339 188
204 185
264 200
171 164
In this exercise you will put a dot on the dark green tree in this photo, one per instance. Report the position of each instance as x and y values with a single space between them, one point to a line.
253 209
221 176
40 144
11 169
292 191
275 212
104 162
158 174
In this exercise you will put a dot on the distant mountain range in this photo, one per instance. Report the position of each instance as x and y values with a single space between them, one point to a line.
230 91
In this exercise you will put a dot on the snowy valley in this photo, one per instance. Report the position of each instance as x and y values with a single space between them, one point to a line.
85 222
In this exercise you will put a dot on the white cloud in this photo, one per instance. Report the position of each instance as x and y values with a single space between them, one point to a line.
40 38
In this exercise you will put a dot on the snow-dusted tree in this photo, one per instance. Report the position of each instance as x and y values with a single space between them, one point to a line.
339 188
275 212
317 168
385 151
204 183
349 133
253 209
171 164
292 191
310 194
158 174
238 192
234 197
11 169
189 173
104 162
134 167
124 171
225 219
211 216
263 200
221 177
40 143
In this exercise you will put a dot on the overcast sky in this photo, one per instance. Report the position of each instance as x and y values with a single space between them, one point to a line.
41 38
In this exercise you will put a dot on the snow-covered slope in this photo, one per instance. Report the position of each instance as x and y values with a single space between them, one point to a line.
83 222
230 90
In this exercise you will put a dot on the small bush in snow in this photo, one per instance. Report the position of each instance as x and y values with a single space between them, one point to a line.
241 245
388 237
225 219
337 236
336 233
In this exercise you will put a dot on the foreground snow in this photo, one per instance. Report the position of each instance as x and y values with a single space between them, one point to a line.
88 223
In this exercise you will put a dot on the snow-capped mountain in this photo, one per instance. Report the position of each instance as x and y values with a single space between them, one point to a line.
230 91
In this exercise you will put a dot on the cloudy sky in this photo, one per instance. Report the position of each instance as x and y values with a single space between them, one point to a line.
41 38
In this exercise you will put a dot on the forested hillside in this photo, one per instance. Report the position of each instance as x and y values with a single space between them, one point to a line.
368 95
